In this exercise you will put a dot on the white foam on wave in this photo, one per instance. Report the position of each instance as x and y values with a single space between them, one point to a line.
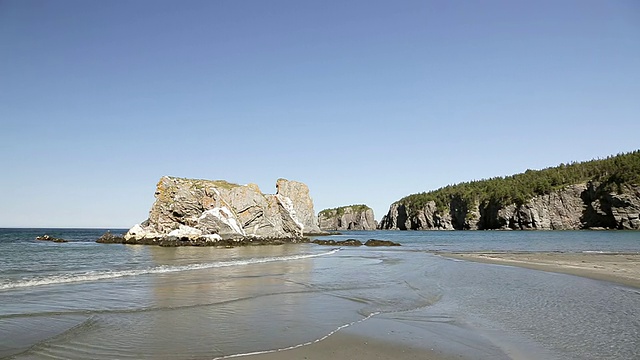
298 345
104 275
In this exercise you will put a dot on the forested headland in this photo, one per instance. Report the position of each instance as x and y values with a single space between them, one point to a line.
600 193
610 173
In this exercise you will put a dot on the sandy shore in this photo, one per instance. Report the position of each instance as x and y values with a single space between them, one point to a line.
389 338
619 268
347 346
443 342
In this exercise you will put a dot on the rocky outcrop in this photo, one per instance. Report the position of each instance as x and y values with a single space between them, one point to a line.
374 242
400 217
302 204
559 210
46 237
109 238
353 217
331 242
580 206
355 242
207 212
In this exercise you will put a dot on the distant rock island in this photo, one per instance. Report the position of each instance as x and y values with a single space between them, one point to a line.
216 212
597 194
352 217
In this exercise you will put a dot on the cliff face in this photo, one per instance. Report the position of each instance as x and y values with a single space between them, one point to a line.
214 210
580 206
354 217
302 203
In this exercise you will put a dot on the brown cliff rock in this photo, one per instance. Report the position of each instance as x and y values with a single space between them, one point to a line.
215 211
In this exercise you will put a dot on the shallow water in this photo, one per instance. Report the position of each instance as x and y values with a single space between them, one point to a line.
82 300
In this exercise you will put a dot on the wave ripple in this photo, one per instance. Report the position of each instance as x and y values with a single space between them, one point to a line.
112 274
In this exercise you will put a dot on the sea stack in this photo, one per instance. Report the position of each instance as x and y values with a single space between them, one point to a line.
216 212
352 217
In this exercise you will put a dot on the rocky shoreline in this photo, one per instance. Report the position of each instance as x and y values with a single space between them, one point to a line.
175 241
194 212
575 207
355 242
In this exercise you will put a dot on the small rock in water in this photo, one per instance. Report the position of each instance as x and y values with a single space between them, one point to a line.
46 237
348 242
109 238
374 242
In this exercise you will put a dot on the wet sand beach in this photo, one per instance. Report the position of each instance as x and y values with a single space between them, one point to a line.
619 268
354 344
353 347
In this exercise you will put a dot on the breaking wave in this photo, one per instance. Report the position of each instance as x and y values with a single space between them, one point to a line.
112 274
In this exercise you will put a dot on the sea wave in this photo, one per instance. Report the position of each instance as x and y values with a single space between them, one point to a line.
112 274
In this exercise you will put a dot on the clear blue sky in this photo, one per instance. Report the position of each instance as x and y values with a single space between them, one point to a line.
365 101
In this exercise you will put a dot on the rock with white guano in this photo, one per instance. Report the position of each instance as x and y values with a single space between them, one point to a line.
217 209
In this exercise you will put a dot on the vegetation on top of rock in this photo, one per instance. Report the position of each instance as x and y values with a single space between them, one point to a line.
339 211
224 184
217 183
610 173
167 189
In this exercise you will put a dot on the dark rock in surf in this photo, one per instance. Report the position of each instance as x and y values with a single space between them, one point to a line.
374 242
176 241
51 238
348 242
109 238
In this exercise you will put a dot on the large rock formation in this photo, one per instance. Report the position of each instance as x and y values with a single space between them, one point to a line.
302 203
206 211
580 206
353 217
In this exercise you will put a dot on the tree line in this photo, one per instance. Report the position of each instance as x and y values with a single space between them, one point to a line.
610 174
339 211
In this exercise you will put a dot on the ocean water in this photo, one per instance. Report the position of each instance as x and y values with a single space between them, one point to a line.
81 300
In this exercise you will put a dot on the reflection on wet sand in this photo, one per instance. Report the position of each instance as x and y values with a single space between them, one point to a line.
204 311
